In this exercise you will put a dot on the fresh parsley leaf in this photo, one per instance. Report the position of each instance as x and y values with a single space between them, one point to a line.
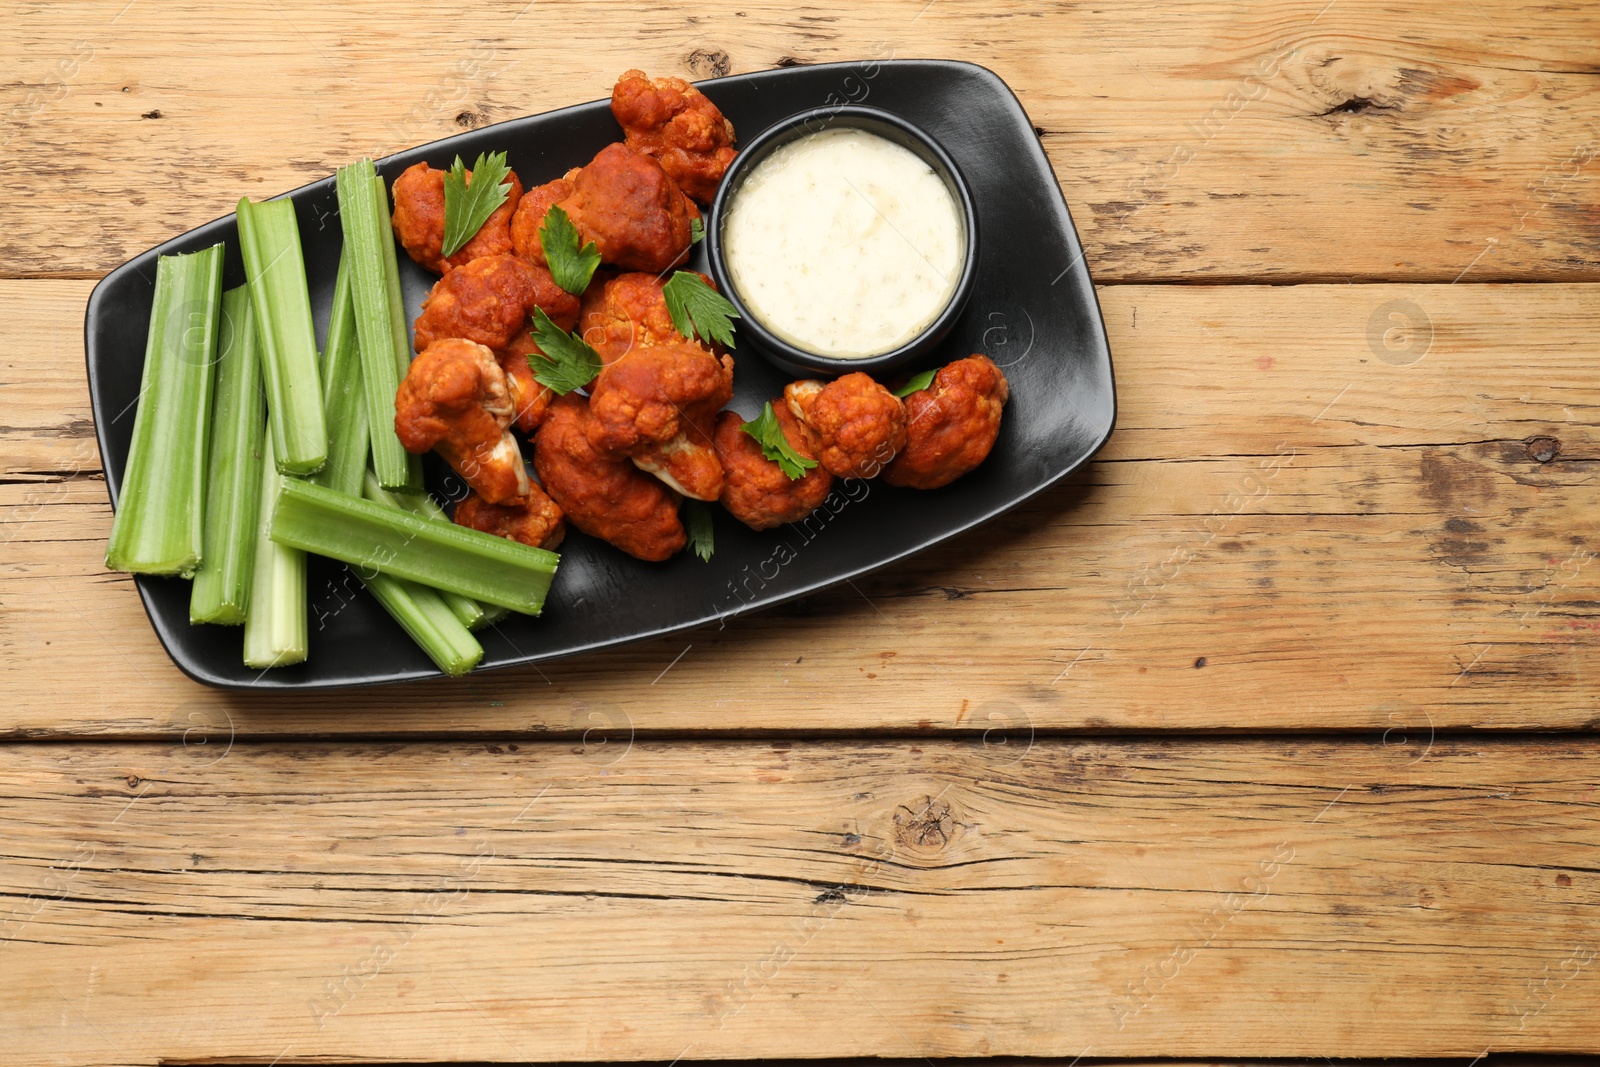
697 523
696 308
566 363
570 266
697 232
468 205
917 383
776 447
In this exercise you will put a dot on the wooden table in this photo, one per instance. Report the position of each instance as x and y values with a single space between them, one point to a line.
1267 735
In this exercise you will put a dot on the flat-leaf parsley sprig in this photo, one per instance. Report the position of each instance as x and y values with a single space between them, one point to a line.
563 362
917 383
775 446
571 264
697 524
696 308
468 205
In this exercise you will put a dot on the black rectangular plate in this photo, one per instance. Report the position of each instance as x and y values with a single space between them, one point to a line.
1033 311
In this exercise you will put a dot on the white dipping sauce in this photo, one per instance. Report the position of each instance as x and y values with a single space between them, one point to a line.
843 243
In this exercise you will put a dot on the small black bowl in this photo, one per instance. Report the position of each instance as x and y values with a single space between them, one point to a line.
791 357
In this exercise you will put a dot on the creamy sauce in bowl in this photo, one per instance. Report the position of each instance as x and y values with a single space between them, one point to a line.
844 243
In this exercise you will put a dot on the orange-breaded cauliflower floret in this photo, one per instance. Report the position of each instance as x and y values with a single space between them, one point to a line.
603 495
860 425
755 490
629 310
951 425
419 220
677 124
529 217
455 400
687 463
530 399
625 203
656 391
534 519
489 300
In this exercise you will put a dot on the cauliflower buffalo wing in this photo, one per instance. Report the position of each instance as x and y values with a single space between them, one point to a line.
622 201
859 424
455 400
951 425
755 490
627 311
604 495
489 300
530 213
622 317
656 392
677 124
534 519
530 399
687 463
419 220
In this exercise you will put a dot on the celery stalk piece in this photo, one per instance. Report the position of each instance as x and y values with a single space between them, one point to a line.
423 614
269 238
364 217
370 536
276 632
471 613
345 403
160 519
492 613
433 618
397 319
221 592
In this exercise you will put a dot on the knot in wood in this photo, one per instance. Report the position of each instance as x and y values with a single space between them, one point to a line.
927 825
709 63
1543 449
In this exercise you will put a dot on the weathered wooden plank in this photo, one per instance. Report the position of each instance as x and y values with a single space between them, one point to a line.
1296 138
46 427
553 902
1286 532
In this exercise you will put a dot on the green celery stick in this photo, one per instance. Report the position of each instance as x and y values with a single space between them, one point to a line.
478 615
160 516
472 614
397 320
269 238
345 403
444 556
492 613
276 632
422 612
432 617
424 615
221 592
364 217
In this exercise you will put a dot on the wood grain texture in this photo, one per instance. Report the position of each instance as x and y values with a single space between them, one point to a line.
561 902
1294 139
46 426
1288 531
1358 508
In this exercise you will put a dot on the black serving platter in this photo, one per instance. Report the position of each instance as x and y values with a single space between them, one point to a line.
1033 311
